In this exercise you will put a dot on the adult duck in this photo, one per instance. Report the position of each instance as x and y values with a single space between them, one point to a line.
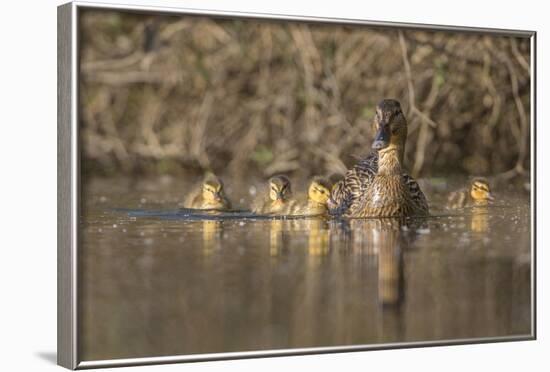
377 186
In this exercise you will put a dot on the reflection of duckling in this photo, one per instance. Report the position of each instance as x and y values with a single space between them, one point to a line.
318 194
377 185
279 201
480 219
276 238
318 237
211 236
209 195
479 194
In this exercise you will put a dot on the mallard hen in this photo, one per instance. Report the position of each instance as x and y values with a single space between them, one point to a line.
377 186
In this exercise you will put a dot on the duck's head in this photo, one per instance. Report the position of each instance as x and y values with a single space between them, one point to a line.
319 190
212 189
279 188
390 126
480 190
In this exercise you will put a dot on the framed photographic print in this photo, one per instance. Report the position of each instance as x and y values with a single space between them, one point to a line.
235 185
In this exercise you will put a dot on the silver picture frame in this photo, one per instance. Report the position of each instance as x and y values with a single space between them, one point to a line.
68 181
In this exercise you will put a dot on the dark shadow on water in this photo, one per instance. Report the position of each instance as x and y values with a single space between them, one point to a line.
204 215
48 356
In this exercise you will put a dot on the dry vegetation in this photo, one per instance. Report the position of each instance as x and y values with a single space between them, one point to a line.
170 95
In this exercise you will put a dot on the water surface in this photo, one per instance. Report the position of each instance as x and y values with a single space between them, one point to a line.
155 282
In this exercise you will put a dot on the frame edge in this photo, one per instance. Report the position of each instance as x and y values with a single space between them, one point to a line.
182 10
534 123
67 196
66 355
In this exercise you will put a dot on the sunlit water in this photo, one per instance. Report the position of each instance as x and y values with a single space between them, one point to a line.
156 281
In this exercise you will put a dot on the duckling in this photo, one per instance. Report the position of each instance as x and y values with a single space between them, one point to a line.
279 201
209 195
318 194
377 186
478 194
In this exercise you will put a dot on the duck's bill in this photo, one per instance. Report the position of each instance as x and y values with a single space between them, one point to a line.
382 137
278 196
490 197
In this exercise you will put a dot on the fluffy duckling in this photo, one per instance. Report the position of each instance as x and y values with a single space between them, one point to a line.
279 201
209 195
318 194
478 194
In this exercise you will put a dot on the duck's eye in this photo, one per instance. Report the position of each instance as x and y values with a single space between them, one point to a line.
320 191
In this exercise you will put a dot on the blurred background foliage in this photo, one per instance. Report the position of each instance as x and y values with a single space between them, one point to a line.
181 95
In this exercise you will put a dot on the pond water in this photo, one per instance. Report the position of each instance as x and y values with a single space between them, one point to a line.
155 281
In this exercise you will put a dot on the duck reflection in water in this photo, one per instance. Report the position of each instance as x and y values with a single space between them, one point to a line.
382 243
389 244
278 240
480 219
318 236
212 231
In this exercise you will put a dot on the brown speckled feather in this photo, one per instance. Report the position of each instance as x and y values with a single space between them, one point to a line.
355 193
417 196
356 181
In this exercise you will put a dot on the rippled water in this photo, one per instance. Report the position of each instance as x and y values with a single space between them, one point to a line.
155 281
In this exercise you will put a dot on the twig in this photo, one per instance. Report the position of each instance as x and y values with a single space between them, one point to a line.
425 119
112 63
410 86
522 62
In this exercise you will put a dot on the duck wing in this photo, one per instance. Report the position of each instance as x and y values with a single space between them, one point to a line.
416 194
356 181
